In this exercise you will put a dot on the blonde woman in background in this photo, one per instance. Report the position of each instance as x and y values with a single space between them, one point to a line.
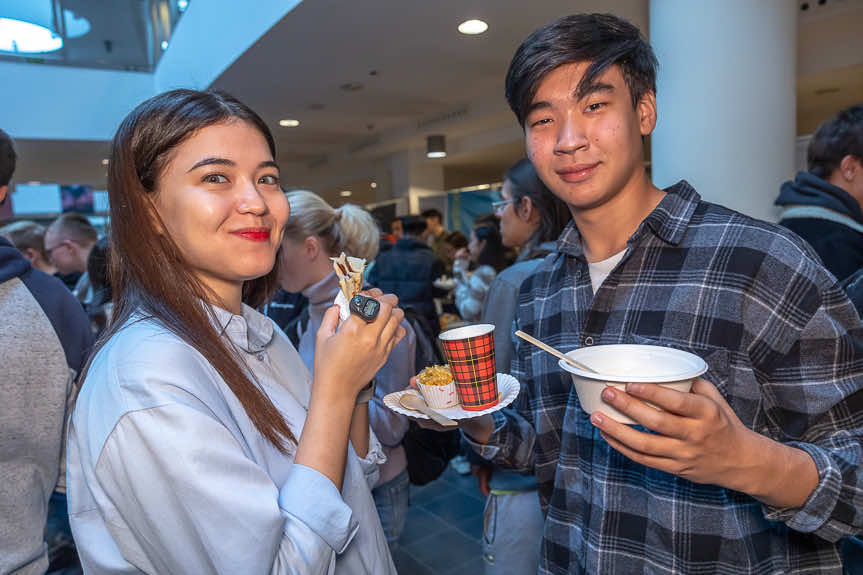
316 232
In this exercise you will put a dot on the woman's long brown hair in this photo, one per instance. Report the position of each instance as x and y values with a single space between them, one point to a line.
148 273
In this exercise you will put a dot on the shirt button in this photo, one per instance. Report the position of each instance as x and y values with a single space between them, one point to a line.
588 340
260 357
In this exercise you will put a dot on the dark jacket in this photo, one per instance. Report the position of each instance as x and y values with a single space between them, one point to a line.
408 270
838 246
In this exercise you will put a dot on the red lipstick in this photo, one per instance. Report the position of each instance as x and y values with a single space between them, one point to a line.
253 234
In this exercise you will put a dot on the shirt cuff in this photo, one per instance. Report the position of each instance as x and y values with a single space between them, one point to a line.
813 515
326 513
491 448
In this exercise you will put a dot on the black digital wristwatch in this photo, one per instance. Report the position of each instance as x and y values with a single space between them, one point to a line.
365 307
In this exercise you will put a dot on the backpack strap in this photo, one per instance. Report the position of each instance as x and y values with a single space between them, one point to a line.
820 213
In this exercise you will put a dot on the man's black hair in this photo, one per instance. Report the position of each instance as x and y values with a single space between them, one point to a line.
603 40
7 158
433 213
840 136
413 225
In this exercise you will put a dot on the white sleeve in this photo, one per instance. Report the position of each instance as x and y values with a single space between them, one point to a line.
193 502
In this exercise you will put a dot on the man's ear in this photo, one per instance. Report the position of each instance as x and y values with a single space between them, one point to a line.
646 110
30 254
850 167
3 191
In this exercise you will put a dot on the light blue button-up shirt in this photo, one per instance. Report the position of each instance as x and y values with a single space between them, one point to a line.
167 473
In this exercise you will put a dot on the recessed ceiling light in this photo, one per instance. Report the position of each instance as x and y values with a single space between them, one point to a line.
345 193
472 27
24 37
105 161
289 123
373 185
164 45
182 5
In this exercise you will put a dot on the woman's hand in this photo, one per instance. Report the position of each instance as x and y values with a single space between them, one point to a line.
347 356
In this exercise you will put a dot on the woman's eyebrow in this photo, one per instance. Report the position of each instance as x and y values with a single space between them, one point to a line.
211 161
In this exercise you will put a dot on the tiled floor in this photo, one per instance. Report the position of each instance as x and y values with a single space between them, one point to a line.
444 527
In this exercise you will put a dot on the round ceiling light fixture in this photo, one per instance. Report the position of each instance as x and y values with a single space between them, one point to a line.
472 27
27 38
289 123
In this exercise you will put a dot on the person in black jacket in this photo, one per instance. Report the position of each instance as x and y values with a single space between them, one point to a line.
408 270
823 204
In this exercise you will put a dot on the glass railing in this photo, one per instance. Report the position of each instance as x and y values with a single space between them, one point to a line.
117 34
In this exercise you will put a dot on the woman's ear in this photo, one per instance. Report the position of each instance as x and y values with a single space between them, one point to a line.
526 210
311 248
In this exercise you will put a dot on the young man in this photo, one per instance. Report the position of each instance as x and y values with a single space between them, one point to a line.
824 205
757 470
68 242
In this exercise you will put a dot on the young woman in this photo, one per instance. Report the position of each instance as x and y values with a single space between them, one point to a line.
484 257
531 219
199 442
316 232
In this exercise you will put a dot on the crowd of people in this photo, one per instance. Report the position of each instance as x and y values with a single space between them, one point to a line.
181 395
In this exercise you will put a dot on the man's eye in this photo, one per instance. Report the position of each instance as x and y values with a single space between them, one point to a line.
541 122
268 180
215 179
595 106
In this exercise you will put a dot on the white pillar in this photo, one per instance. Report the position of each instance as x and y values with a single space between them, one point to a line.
414 177
726 98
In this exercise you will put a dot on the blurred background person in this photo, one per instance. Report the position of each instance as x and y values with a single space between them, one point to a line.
435 236
29 238
100 308
68 241
475 268
409 270
316 232
823 204
531 219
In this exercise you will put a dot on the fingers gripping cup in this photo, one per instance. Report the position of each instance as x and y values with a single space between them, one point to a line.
469 351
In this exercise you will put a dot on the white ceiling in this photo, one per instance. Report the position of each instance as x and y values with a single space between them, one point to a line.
427 79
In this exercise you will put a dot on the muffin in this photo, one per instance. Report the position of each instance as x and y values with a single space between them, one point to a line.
436 385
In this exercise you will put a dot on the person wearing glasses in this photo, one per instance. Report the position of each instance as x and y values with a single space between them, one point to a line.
531 219
68 241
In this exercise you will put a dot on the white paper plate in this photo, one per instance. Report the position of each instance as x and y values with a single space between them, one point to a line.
507 388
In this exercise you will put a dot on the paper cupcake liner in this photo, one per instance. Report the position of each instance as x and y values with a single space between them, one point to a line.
439 396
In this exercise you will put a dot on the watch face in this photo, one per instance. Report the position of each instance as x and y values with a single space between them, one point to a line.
371 308
365 307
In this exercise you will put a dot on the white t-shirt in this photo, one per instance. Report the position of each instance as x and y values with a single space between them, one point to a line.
600 270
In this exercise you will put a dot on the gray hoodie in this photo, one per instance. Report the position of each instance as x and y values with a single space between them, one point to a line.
44 340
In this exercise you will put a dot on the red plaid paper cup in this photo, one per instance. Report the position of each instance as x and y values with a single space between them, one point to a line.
470 353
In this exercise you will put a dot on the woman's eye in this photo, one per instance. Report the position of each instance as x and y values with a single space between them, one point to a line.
215 179
268 180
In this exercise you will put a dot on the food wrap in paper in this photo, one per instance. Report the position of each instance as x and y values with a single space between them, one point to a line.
350 271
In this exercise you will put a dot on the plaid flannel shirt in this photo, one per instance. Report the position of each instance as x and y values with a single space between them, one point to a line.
785 348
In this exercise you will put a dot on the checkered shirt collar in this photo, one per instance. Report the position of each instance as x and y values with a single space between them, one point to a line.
668 220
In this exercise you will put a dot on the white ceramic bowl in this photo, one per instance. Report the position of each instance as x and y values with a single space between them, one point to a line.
620 364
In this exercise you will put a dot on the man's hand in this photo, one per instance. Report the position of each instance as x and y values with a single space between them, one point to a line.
699 437
477 428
